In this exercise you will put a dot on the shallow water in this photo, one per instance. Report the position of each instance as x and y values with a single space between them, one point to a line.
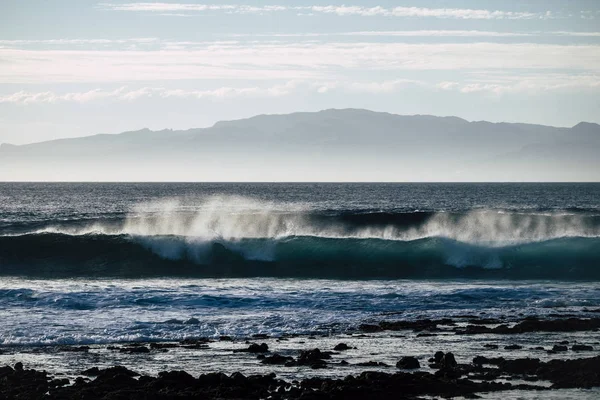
87 311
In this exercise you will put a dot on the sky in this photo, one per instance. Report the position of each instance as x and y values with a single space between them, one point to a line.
76 68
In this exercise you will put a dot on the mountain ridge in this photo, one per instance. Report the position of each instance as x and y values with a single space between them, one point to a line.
332 145
218 124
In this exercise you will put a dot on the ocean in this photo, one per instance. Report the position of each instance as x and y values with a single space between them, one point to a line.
100 263
150 252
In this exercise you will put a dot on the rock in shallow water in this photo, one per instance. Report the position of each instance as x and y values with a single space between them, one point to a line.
408 363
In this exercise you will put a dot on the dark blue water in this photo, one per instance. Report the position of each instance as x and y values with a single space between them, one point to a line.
341 231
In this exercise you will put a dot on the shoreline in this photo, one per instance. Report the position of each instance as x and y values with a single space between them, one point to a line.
464 356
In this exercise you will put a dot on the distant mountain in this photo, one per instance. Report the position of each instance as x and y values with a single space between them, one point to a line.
330 145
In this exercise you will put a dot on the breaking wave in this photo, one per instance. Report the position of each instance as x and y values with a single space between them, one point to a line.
244 237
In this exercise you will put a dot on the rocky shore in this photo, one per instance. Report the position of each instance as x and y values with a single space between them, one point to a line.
439 374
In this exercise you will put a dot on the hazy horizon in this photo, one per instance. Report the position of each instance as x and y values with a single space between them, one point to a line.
330 145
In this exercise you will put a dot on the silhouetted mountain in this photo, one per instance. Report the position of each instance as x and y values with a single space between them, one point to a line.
331 145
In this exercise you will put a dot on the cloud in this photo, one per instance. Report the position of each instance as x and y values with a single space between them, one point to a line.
77 41
419 12
533 85
343 10
495 86
124 94
174 8
285 61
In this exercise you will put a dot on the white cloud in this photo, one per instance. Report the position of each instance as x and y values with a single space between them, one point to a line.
285 61
496 86
343 10
123 94
419 12
77 41
534 84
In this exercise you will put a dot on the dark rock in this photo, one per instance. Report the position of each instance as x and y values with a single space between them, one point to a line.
192 321
260 336
134 349
521 365
255 348
18 366
113 371
580 373
370 328
438 356
175 379
341 347
94 371
408 363
313 358
162 346
513 347
372 364
448 361
82 349
581 347
58 382
277 359
559 347
490 346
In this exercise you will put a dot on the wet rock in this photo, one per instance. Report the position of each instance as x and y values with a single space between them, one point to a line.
408 363
438 356
192 321
134 349
58 382
162 346
314 358
491 346
255 348
225 338
341 347
94 371
480 360
260 336
199 344
581 347
174 379
18 366
372 364
173 321
448 361
113 371
6 370
513 347
370 328
213 379
77 349
558 325
579 373
521 365
277 359
559 347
